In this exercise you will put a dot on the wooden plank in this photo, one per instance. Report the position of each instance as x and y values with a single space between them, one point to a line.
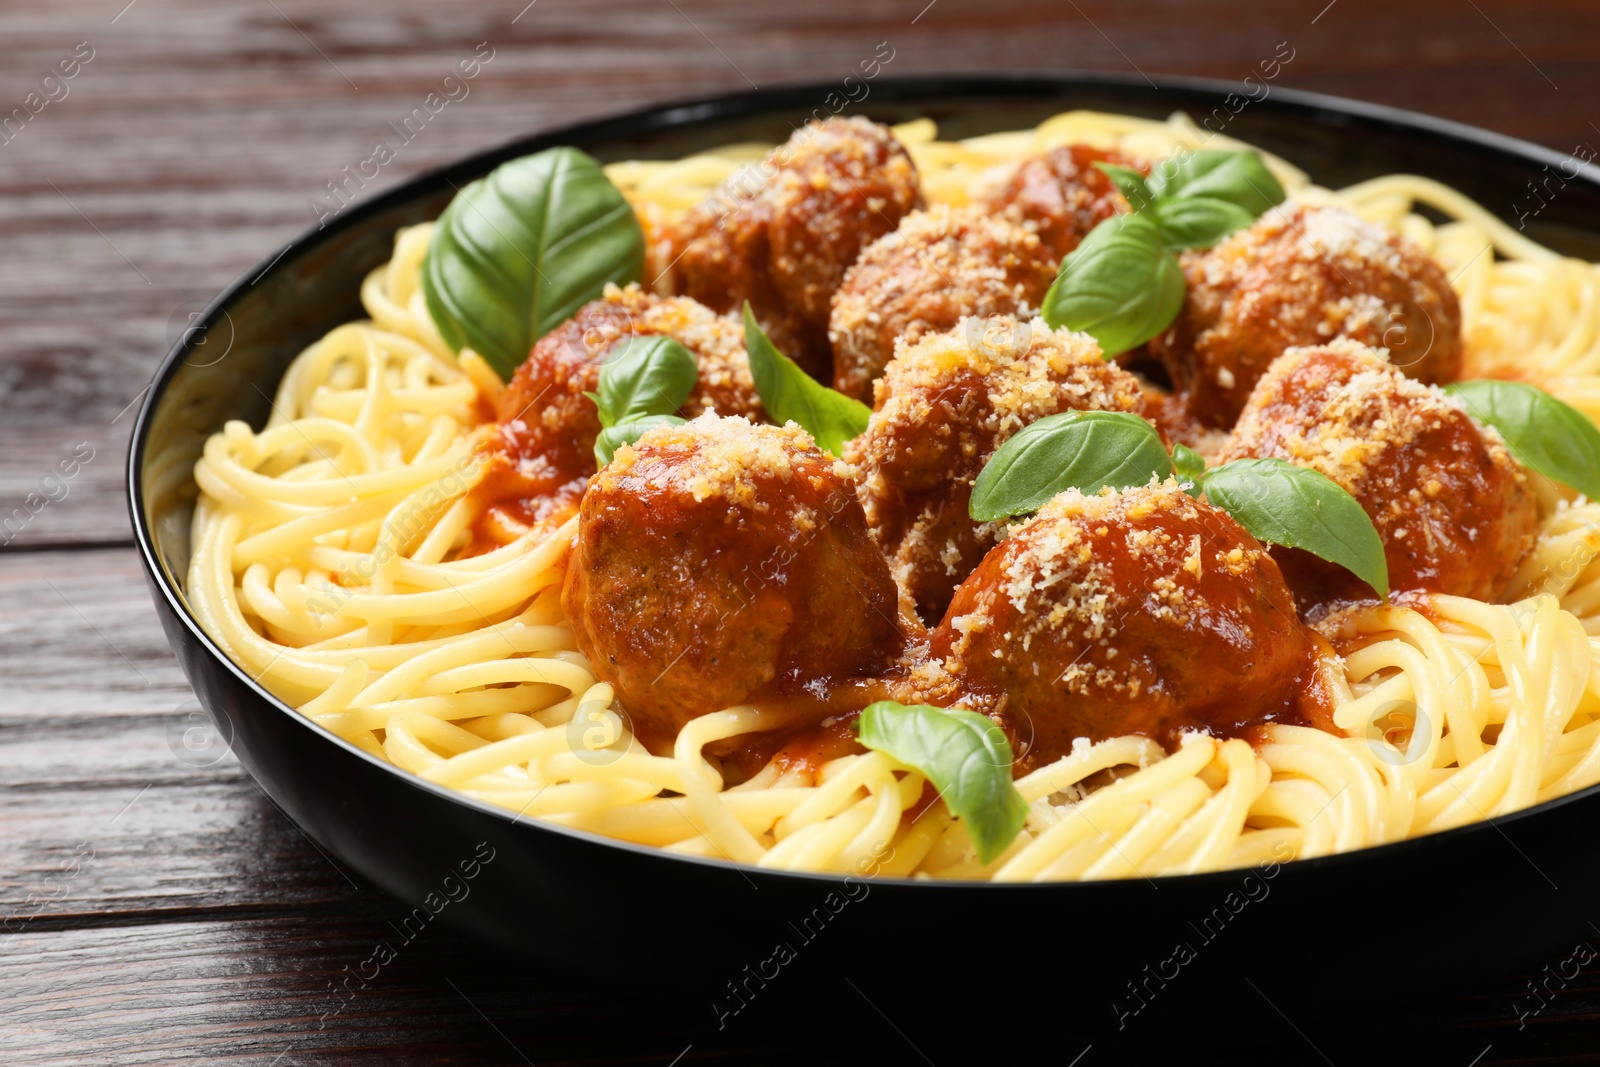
107 812
166 841
254 990
103 771
269 991
204 928
188 147
79 635
111 844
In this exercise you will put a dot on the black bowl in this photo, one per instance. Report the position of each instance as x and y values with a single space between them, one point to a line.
1420 914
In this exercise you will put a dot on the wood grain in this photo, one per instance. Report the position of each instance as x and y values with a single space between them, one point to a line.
154 911
253 989
72 616
188 148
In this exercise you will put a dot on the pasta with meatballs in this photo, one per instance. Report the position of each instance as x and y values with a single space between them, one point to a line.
1292 573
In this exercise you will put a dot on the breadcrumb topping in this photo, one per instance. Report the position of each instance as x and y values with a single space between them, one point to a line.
937 267
946 403
717 341
1058 194
1305 275
1452 506
1025 370
1308 233
1340 235
732 456
1067 541
841 159
1068 569
781 234
1365 410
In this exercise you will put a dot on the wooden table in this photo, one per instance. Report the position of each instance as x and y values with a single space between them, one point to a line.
153 911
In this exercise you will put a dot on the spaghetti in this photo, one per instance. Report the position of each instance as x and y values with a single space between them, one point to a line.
327 561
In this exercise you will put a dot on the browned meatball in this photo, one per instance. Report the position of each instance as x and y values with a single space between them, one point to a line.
1060 194
1453 508
1305 276
660 248
543 448
1140 612
937 268
721 562
945 405
782 234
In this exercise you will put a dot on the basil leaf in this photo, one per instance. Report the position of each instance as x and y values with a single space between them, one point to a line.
644 376
1188 465
1297 507
1199 221
1553 438
791 395
966 757
1237 177
1130 183
1121 285
626 433
516 253
1085 450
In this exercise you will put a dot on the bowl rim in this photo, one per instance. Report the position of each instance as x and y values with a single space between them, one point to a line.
753 103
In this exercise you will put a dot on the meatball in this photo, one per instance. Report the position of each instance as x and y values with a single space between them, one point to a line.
937 268
719 563
543 449
1139 612
1305 276
1455 511
1060 194
781 235
945 405
660 253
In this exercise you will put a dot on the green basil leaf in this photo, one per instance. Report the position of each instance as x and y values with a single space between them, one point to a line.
1190 467
1553 438
1238 177
966 757
516 253
791 395
1121 285
1130 183
1199 221
626 433
1085 450
649 375
1297 507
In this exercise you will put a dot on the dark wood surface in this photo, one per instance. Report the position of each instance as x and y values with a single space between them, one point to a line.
155 912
